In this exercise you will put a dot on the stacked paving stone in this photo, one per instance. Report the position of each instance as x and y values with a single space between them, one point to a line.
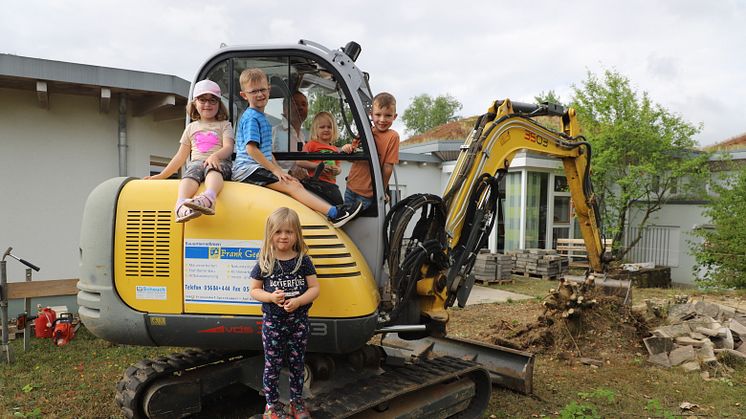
698 336
545 263
493 267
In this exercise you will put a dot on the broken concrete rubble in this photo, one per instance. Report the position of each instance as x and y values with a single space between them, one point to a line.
682 312
660 359
691 366
658 344
682 354
707 309
699 335
673 331
724 340
707 355
687 341
742 348
705 331
738 329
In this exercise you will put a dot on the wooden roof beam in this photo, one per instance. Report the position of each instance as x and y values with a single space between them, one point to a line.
42 94
148 106
104 100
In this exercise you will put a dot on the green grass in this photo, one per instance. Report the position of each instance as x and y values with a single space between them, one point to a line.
623 389
79 380
76 380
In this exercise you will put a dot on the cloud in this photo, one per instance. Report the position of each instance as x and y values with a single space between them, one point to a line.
686 54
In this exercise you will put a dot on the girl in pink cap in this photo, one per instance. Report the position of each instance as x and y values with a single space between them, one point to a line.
209 141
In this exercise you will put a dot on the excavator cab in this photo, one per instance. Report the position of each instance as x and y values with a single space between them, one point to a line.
331 82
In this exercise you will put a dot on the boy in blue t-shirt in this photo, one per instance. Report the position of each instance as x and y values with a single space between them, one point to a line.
254 163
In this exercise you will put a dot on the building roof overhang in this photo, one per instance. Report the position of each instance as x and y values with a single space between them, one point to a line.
162 95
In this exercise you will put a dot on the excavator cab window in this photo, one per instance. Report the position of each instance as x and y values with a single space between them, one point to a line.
288 75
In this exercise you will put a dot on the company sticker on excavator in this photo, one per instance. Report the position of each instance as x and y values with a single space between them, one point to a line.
145 292
217 271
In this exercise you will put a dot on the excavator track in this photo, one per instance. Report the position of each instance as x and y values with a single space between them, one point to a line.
376 392
136 379
433 388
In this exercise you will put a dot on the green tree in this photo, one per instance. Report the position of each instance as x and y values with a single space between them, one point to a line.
426 113
721 257
643 155
321 101
550 96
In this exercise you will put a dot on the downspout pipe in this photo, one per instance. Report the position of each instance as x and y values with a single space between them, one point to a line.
122 137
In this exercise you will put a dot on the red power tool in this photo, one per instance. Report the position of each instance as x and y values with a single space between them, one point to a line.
63 331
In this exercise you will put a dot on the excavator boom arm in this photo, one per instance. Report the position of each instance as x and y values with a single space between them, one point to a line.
506 129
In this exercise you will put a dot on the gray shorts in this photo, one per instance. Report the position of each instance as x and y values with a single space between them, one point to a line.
196 170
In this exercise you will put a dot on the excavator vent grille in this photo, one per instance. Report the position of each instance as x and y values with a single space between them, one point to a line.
147 241
330 256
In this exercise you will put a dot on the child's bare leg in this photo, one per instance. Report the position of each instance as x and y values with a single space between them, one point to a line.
297 191
214 182
187 188
205 202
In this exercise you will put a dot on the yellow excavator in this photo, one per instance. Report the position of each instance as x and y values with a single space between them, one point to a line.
146 280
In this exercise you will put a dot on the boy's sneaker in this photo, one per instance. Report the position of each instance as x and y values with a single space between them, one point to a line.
298 410
345 213
275 411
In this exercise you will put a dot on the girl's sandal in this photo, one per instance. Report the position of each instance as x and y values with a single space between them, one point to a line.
184 213
201 203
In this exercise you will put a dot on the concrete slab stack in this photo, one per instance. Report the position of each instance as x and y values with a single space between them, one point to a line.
493 268
541 263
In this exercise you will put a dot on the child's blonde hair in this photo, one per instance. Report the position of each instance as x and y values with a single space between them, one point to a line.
279 218
191 109
252 75
317 120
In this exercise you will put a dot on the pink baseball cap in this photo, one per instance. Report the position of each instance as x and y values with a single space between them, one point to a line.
206 87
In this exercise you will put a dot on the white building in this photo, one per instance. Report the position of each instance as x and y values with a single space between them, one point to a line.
65 129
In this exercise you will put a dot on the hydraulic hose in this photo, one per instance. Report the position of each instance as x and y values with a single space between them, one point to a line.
426 246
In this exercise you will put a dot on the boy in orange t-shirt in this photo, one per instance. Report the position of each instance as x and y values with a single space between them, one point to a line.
359 184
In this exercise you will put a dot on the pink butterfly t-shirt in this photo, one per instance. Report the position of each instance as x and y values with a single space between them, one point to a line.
206 138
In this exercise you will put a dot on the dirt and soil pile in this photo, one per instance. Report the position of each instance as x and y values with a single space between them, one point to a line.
575 318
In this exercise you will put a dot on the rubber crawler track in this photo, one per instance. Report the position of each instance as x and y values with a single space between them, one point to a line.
357 397
139 376
370 392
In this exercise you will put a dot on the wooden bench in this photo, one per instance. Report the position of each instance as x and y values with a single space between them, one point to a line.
574 249
48 288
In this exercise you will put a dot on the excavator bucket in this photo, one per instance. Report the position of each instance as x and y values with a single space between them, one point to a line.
616 287
607 286
508 368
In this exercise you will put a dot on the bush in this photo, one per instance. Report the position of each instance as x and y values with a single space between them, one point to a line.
721 257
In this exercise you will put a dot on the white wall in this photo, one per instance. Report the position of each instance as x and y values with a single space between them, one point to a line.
51 160
417 178
681 219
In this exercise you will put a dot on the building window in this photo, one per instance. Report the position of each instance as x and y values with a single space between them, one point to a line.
560 184
536 210
562 210
512 211
157 164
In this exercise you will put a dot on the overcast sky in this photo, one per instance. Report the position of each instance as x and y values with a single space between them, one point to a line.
690 56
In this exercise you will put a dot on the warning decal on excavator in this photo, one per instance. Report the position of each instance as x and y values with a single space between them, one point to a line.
217 271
